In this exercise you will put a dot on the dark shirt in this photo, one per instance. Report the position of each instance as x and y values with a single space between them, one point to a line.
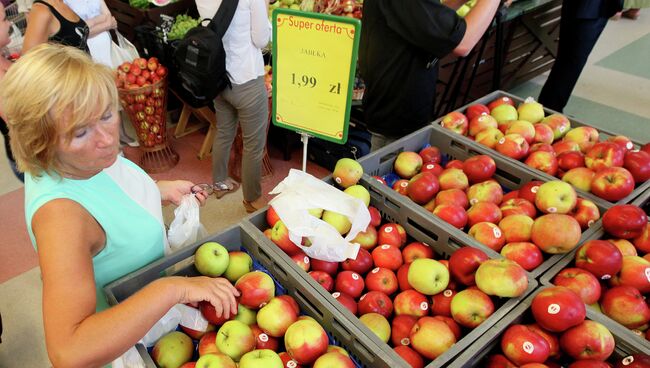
70 33
5 133
401 41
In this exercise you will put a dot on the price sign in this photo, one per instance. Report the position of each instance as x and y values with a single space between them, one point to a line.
314 62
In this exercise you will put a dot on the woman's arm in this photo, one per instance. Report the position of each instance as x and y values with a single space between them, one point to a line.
260 26
101 23
67 235
478 20
39 27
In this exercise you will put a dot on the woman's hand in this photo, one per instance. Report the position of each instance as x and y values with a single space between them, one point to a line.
218 291
174 190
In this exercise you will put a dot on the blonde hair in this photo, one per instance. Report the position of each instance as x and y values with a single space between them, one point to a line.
47 95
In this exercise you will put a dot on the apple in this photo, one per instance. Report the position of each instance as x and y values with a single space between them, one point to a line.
280 236
261 358
366 239
570 160
208 344
416 250
441 303
456 122
634 361
287 361
529 190
488 234
543 161
324 279
349 282
387 256
246 315
522 345
272 216
581 282
407 164
511 195
401 186
211 259
452 196
451 178
333 359
580 177
256 288
392 234
513 145
423 187
500 101
454 164
428 276
479 168
588 340
624 221
561 147
338 349
585 136
264 341
361 264
516 228
502 278
375 216
626 305
543 134
375 302
411 356
556 233
641 242
499 360
431 337
559 123
475 110
600 257
411 303
531 111
197 334
586 213
433 168
347 172
464 262
347 301
358 191
471 307
517 206
378 324
483 212
239 264
638 164
173 349
552 340
523 128
635 272
235 339
452 214
276 316
624 142
625 246
209 313
604 155
555 197
402 277
430 154
526 254
401 327
339 221
504 112
325 266
305 340
381 279
217 360
481 122
485 191
301 260
558 308
489 137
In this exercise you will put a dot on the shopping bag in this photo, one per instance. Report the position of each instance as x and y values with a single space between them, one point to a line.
297 194
122 51
186 228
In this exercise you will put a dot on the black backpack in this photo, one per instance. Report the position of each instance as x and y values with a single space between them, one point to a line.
201 59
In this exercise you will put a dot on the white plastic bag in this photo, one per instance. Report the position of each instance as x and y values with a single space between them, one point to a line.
130 359
298 193
186 227
122 51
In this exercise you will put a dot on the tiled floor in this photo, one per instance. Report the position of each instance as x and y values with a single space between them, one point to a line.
613 93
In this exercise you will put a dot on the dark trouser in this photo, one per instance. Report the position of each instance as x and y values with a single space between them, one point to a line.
577 39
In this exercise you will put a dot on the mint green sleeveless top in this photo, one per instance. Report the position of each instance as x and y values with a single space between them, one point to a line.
125 201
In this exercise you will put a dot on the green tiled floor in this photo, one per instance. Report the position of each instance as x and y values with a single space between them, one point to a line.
600 116
632 59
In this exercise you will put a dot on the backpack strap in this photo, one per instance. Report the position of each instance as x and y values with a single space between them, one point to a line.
222 19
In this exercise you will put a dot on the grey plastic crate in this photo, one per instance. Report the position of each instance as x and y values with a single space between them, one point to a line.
574 123
418 225
489 342
508 174
243 235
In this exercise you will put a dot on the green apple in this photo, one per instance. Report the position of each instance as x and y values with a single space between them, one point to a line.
378 324
316 212
261 358
215 361
276 316
246 315
531 111
502 278
360 192
428 276
211 259
235 339
340 222
240 264
504 112
173 350
556 197
347 172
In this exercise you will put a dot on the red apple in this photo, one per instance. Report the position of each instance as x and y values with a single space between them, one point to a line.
264 341
513 146
481 122
570 160
586 213
430 154
451 178
612 184
483 212
558 308
526 254
464 262
486 191
499 360
302 261
431 337
402 277
479 168
456 122
382 279
588 340
452 196
518 206
305 341
387 256
604 155
433 168
256 288
528 191
361 264
209 312
391 233
552 339
280 236
375 216
407 164
401 329
350 283
581 282
347 301
475 110
441 303
626 305
641 242
416 250
638 164
452 214
412 303
324 279
600 257
272 216
423 187
454 164
635 272
489 137
624 221
500 101
375 302
325 266
543 161
488 234
401 186
471 307
543 134
556 233
412 357
634 361
522 345
516 228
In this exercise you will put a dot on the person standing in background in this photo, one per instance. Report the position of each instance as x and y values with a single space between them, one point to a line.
581 24
401 43
53 20
246 103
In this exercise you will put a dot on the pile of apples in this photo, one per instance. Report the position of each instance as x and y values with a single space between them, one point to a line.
522 225
143 96
560 335
609 168
612 274
267 331
421 306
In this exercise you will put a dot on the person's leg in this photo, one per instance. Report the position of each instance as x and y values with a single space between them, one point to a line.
577 39
226 115
251 101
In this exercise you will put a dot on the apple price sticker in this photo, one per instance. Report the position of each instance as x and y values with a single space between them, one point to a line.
553 309
355 276
388 229
424 306
292 364
306 260
404 184
497 232
473 201
336 294
647 274
375 270
501 140
337 180
448 293
405 341
590 222
528 347
263 337
534 189
385 246
606 277
629 145
551 210
628 360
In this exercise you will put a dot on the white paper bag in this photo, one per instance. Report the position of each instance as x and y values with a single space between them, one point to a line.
298 193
